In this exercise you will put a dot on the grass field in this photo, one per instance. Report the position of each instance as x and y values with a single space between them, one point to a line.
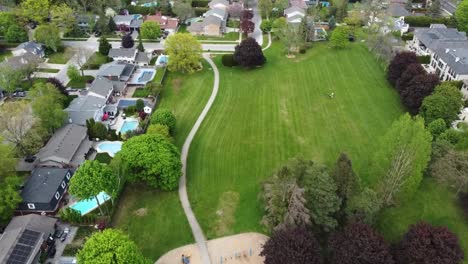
81 82
61 57
265 116
164 226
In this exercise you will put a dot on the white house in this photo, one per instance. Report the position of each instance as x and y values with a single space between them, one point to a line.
427 40
294 14
451 64
217 12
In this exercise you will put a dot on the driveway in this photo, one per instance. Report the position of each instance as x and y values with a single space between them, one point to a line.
60 246
257 19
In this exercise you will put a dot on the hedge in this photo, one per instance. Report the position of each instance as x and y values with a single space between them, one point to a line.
143 10
424 59
199 11
200 3
228 60
425 21
407 36
458 84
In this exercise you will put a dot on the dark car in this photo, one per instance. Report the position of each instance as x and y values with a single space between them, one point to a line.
58 233
30 159
64 235
52 252
19 93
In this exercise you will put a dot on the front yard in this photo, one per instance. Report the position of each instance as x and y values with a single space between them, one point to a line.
95 61
61 56
231 36
81 82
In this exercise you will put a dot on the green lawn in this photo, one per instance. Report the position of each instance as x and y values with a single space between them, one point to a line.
81 82
95 61
263 117
47 70
231 36
164 226
61 57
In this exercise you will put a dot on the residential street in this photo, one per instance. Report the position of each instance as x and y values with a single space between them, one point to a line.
257 19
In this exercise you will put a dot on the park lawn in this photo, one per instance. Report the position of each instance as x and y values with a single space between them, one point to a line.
263 117
81 82
61 57
432 203
165 226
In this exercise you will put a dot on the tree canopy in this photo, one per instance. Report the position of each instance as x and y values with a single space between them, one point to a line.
417 89
47 105
339 37
451 169
461 14
444 103
151 158
164 116
412 70
184 52
249 54
398 65
7 19
150 30
110 246
49 35
37 10
104 46
16 33
127 41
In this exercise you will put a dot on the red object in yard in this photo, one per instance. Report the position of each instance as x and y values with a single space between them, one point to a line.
105 116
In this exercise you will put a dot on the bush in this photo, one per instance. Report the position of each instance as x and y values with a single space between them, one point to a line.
228 60
408 36
129 111
437 127
143 10
200 3
424 59
140 104
74 217
164 116
458 84
266 26
425 21
162 130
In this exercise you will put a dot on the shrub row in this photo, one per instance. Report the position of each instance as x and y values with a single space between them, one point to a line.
143 10
407 36
425 21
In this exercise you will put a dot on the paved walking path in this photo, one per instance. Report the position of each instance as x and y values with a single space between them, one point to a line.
196 229
269 42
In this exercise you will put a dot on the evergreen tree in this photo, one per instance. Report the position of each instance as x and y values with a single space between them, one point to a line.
104 46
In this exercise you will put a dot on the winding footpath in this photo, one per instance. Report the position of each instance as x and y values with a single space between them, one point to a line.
194 225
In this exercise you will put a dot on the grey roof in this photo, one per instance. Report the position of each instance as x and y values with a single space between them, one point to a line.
120 19
64 143
293 9
196 27
17 62
42 185
439 37
101 86
217 11
128 70
31 46
214 2
10 238
136 23
142 57
294 17
212 20
122 52
398 10
456 58
119 86
84 107
111 69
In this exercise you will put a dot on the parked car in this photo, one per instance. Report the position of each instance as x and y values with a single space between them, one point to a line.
58 233
64 236
19 93
30 159
52 252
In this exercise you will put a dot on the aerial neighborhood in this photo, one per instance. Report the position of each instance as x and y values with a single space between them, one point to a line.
234 131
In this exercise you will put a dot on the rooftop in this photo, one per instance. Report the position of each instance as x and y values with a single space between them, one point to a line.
42 185
122 52
438 36
101 86
456 58
120 19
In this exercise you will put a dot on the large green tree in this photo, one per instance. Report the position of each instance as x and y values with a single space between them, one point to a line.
9 197
184 52
339 37
92 178
110 246
7 19
16 33
104 46
37 10
49 35
363 206
17 121
151 158
47 105
403 154
461 14
445 103
345 178
10 78
150 30
165 117
265 7
182 9
63 16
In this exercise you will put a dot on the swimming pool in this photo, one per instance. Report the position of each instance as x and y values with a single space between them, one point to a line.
149 4
146 76
162 60
110 147
124 103
128 125
88 205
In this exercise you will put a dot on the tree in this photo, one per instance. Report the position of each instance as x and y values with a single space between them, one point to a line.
266 26
102 24
247 26
92 178
140 46
434 9
363 206
444 103
403 154
412 70
437 127
418 88
47 105
127 41
279 23
332 22
150 30
7 159
409 5
162 130
184 52
15 34
37 10
249 54
235 10
63 16
339 37
322 200
358 243
284 202
82 55
183 10
292 246
73 73
461 14
17 120
165 117
29 66
9 197
96 129
49 35
153 159
265 7
140 104
289 35
399 64
451 169
7 19
104 46
10 77
111 25
110 246
346 180
424 243
341 9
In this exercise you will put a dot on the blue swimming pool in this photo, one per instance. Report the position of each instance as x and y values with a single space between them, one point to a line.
88 205
124 103
110 147
128 125
162 60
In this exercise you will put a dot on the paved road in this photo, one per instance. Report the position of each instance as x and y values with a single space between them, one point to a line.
196 229
257 19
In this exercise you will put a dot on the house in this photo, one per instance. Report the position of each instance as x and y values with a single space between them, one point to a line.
67 147
294 14
123 22
31 47
86 20
101 87
136 24
44 190
427 40
18 62
210 26
165 23
23 238
220 4
116 71
217 12
85 107
450 64
130 56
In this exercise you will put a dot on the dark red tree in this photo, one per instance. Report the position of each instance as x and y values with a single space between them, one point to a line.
427 244
398 65
414 69
358 243
58 84
417 89
127 41
292 246
247 26
246 14
249 54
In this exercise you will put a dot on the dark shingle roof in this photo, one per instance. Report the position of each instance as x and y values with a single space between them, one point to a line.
122 52
42 185
456 58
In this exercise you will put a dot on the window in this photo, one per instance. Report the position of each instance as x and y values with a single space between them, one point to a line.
68 175
63 185
57 195
31 206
